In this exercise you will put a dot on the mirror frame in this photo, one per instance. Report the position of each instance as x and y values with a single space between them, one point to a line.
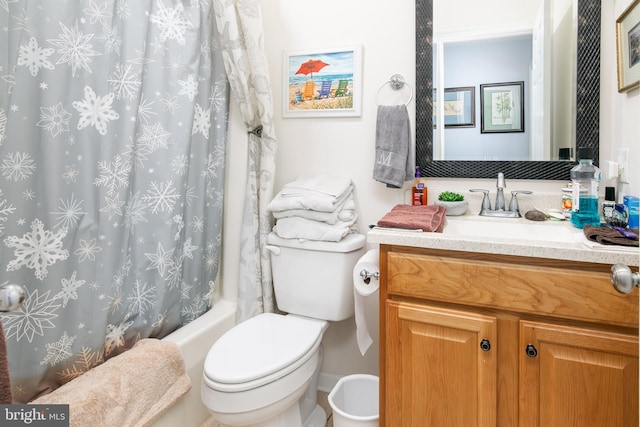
587 105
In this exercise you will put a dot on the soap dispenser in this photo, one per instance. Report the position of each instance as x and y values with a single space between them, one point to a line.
419 190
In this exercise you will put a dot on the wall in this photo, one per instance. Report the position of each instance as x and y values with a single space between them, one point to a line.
345 146
619 112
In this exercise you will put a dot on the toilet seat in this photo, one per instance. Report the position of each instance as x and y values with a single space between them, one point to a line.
261 350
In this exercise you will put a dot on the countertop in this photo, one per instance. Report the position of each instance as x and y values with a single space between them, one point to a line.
510 236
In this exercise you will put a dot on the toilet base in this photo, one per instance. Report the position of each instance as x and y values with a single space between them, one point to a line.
317 418
289 417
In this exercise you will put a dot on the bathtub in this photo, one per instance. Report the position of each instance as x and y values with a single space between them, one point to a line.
194 340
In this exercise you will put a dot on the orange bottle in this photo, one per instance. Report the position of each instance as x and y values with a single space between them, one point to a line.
419 190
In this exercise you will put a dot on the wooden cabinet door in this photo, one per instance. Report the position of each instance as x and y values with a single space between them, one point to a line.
577 377
436 373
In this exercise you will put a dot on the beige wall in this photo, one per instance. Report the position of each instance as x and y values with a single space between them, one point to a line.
345 146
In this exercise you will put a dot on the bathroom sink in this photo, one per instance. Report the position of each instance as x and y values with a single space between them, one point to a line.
487 230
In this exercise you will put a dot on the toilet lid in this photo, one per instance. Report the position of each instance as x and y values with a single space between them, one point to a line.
260 346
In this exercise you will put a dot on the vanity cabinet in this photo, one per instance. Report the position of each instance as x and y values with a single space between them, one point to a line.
474 339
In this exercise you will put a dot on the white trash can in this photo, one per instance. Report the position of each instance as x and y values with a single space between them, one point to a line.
354 401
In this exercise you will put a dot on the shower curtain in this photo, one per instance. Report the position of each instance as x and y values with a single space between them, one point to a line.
113 119
241 34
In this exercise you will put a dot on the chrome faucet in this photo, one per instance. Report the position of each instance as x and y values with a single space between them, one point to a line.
499 210
500 186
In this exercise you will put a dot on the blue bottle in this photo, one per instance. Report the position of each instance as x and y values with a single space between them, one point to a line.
585 179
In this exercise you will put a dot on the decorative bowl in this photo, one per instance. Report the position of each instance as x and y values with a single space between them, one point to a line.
454 208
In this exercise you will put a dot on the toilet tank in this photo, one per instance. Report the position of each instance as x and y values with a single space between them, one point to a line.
313 278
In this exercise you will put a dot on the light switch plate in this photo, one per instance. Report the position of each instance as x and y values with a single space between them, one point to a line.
622 158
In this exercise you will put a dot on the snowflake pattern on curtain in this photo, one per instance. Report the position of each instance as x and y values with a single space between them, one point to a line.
113 119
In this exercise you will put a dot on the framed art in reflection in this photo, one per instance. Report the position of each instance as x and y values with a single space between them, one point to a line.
502 107
459 107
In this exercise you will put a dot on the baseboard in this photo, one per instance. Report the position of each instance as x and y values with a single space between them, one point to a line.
327 381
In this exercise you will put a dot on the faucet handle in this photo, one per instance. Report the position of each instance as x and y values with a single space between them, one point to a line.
513 205
486 204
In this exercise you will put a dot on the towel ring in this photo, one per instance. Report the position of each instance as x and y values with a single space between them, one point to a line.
396 82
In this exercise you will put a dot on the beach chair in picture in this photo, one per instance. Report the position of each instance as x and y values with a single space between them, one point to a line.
342 87
308 93
325 89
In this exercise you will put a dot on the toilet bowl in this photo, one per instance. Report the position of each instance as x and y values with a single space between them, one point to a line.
263 372
242 389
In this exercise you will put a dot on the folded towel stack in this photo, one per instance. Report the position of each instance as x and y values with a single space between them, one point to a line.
426 218
317 207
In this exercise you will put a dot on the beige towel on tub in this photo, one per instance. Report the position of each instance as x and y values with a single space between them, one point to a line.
5 378
131 389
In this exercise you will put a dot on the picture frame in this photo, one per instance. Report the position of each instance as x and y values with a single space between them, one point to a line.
628 47
502 107
459 107
323 82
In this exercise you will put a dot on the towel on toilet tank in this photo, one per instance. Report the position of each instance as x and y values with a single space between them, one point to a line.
320 193
315 207
345 211
306 229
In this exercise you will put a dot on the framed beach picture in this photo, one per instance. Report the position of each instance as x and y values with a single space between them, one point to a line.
459 107
323 82
502 107
628 47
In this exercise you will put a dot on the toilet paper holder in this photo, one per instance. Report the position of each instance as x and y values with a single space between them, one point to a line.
366 276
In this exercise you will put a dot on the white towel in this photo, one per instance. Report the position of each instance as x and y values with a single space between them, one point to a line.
324 184
296 227
345 211
320 193
348 213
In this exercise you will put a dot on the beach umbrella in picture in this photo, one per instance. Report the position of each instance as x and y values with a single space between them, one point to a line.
311 66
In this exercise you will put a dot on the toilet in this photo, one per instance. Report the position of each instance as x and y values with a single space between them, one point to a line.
264 371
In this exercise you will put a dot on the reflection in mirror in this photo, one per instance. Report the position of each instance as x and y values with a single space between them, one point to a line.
532 43
445 150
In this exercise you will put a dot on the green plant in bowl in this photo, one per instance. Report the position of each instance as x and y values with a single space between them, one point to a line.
448 196
454 202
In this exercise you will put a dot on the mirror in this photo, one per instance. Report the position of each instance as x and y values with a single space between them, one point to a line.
586 104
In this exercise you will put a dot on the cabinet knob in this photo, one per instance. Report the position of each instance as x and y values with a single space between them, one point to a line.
531 350
623 279
485 345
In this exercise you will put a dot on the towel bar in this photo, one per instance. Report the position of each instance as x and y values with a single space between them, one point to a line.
396 82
